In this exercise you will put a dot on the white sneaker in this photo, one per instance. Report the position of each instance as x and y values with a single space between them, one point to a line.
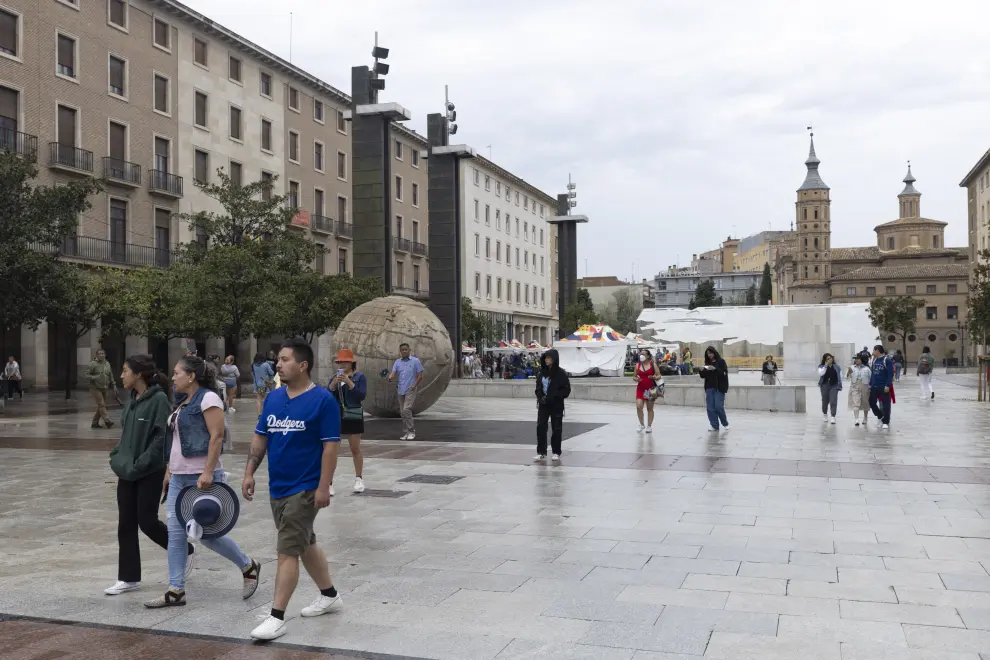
712 429
885 426
121 587
331 490
649 429
641 427
831 420
824 418
359 485
189 564
321 605
405 436
540 457
233 410
270 628
555 457
411 436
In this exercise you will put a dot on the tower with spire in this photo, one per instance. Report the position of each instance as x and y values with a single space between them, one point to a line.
813 221
910 199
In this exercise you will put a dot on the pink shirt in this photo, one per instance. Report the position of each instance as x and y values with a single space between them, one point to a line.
180 464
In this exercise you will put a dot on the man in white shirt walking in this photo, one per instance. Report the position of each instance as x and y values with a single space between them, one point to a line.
409 371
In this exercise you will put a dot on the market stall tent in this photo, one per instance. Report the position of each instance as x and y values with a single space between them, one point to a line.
592 349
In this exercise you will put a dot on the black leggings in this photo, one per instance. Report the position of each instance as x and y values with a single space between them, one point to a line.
555 417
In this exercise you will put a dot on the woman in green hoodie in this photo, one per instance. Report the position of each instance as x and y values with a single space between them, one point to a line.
138 460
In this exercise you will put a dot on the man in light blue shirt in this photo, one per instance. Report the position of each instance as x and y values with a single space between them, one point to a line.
409 370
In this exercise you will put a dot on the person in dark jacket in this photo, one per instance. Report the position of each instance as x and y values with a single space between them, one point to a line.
715 373
830 384
769 371
881 382
138 460
552 387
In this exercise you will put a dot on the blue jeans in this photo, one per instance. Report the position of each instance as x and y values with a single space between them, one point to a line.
177 549
715 405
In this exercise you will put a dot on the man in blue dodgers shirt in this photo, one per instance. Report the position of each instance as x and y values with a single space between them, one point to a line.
299 428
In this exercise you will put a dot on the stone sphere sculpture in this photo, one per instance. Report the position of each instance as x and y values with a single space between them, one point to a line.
374 332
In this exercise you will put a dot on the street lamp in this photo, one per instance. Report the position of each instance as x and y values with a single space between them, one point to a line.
962 336
450 112
379 68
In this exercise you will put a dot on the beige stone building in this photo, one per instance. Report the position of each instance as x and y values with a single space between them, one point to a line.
908 258
977 185
153 96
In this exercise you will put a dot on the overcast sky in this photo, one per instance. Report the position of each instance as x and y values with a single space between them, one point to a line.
680 125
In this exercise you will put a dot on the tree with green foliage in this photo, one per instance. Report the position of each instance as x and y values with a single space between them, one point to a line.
978 312
478 329
241 252
34 221
766 286
580 313
309 304
622 313
162 303
751 295
896 315
704 295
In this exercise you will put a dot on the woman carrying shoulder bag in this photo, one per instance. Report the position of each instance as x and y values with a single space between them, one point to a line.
138 460
350 387
193 444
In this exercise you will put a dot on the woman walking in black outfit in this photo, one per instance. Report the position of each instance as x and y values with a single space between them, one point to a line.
552 387
138 460
830 384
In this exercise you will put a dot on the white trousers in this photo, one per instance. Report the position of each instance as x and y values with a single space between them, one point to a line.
926 385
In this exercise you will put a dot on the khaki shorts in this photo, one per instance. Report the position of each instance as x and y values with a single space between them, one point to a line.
294 517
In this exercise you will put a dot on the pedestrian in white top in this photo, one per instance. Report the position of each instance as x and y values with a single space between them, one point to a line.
12 375
859 388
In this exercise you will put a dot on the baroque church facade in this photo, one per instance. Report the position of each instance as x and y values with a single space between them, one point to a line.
909 257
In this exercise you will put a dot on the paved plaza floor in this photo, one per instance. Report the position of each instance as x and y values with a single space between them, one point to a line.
783 537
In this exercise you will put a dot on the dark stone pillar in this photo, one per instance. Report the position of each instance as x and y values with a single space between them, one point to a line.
566 258
371 175
444 232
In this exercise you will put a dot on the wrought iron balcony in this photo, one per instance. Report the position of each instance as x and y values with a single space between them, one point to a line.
120 171
85 248
343 229
321 223
401 244
69 158
165 183
19 143
415 292
419 249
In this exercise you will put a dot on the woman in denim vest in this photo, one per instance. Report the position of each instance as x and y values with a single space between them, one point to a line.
193 445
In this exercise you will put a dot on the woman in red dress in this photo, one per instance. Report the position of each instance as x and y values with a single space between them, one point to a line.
646 374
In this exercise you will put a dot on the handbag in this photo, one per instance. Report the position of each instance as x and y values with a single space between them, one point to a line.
352 413
657 391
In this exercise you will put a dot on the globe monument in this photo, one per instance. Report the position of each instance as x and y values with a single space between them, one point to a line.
374 332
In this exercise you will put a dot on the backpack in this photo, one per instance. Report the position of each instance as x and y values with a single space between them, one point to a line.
925 365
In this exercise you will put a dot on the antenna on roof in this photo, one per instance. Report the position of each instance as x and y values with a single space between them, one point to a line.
290 37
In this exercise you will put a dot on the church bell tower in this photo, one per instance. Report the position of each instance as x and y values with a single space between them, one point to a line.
813 221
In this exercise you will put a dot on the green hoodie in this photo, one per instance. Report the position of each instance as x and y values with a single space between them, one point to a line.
144 423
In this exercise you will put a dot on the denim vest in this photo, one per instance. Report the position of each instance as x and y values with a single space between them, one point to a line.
194 436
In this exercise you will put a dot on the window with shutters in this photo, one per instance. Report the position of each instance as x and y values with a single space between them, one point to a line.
118 76
66 57
118 223
163 229
341 208
414 159
931 288
911 289
266 135
341 260
67 125
319 207
293 99
163 34
341 166
161 94
294 147
266 187
117 13
341 122
234 69
294 200
398 188
952 288
10 33
318 110
236 130
415 231
10 103
202 166
266 84
415 194
398 150
398 226
163 149
118 147
200 52
318 156
236 173
201 110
